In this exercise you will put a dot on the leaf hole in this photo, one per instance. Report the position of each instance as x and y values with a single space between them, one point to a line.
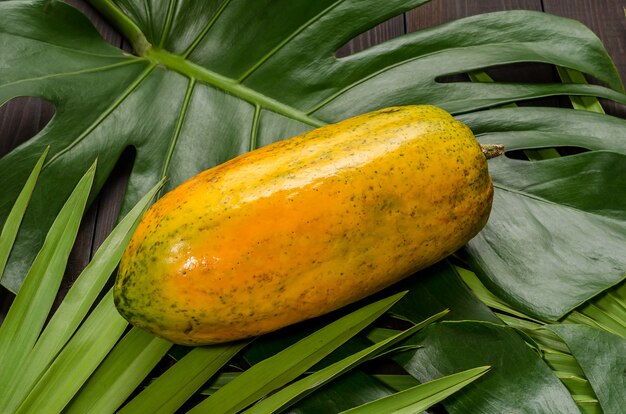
22 118
523 72
386 30
564 151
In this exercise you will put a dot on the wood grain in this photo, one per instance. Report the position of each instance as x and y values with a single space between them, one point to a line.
387 30
607 19
442 11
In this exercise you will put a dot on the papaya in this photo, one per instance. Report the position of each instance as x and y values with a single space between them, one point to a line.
304 226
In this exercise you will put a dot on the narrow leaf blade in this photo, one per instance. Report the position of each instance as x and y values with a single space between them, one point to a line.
77 302
30 309
294 392
170 390
120 373
423 396
78 360
285 366
14 219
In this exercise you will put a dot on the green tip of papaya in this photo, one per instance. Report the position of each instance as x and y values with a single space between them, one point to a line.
492 150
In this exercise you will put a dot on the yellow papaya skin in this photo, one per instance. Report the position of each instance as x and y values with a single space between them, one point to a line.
304 226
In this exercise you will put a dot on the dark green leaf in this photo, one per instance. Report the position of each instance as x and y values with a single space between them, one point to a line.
188 102
564 198
517 372
437 288
602 357
349 390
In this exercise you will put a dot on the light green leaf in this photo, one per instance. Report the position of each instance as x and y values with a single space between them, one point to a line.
584 103
170 390
421 397
77 361
28 313
299 389
120 373
287 365
14 219
76 303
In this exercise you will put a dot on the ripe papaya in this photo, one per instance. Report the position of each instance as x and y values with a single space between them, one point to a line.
304 226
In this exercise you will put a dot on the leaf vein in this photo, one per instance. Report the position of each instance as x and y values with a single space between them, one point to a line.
48 44
104 115
179 124
168 21
77 72
565 206
254 132
288 39
206 29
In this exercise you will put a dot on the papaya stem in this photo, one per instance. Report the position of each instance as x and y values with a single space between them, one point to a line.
492 150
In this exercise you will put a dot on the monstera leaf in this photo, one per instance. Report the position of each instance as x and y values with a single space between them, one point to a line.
210 80
557 232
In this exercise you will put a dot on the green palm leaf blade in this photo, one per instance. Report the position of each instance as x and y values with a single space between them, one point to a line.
287 396
602 357
78 360
421 397
517 371
173 388
585 103
14 219
351 389
121 372
28 313
288 364
188 103
75 305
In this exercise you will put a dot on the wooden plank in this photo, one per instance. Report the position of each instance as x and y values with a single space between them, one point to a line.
440 11
607 19
22 118
384 31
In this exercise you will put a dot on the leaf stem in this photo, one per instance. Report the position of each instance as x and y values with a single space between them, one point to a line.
124 24
181 65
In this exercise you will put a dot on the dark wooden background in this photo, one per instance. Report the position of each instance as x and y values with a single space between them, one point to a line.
22 118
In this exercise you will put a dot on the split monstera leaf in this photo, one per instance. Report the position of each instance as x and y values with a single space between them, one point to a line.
210 80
